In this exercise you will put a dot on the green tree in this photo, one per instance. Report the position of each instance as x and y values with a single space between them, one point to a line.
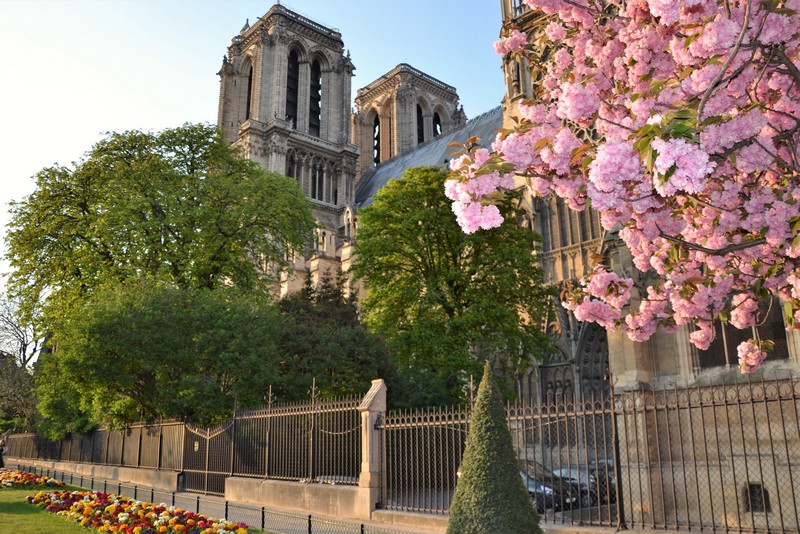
144 351
323 338
180 205
441 297
490 497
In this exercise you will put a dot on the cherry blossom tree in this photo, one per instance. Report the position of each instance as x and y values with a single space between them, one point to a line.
678 121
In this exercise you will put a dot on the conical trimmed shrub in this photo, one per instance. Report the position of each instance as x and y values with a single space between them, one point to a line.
490 497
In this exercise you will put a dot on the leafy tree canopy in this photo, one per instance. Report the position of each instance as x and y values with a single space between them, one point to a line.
179 205
323 338
440 296
142 351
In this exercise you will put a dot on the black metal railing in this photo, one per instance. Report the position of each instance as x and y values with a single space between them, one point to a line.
722 458
312 441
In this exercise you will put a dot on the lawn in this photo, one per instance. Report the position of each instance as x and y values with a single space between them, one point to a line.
19 517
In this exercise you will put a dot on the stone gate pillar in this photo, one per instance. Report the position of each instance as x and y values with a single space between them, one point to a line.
372 405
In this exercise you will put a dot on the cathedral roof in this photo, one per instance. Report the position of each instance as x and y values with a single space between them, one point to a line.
433 152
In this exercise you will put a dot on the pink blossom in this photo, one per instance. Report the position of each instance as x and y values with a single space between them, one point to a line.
691 166
472 216
750 356
743 311
578 102
555 31
710 203
513 43
702 337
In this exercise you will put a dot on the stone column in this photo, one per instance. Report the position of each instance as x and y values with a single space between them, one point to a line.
372 405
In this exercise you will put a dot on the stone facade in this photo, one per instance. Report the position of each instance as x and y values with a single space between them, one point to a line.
399 111
285 100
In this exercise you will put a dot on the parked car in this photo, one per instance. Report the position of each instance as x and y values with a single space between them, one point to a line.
547 490
585 481
603 471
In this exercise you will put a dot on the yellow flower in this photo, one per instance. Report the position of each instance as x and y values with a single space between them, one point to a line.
241 530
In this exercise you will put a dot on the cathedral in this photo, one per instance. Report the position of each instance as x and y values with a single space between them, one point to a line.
285 98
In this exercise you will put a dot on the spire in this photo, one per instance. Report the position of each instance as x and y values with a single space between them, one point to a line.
246 26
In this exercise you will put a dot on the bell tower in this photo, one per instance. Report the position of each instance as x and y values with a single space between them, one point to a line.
285 98
401 110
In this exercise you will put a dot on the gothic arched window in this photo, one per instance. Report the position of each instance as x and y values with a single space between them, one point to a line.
376 140
437 125
292 81
315 102
248 102
318 181
291 165
420 126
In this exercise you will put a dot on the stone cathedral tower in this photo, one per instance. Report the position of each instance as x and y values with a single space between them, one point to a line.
401 110
285 98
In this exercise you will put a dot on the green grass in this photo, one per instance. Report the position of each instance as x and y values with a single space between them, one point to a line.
19 517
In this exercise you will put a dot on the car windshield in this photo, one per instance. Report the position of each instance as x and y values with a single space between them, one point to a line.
537 470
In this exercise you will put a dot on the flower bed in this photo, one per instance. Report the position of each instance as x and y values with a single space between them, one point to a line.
106 512
10 478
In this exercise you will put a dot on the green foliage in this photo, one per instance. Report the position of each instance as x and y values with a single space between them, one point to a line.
441 298
490 497
179 206
144 351
59 401
322 338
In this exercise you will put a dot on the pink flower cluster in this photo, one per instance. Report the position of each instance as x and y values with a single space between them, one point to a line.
694 159
514 43
690 164
467 195
750 356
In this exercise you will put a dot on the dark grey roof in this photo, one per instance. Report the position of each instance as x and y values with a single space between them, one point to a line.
434 152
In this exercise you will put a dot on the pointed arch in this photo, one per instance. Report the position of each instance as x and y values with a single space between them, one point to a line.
291 163
375 121
423 111
319 65
318 177
292 85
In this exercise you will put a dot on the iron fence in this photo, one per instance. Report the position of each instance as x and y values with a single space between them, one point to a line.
313 441
152 446
722 458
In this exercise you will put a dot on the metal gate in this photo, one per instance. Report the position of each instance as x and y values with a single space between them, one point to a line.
208 458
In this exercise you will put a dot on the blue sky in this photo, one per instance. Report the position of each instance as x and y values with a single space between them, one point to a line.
73 69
